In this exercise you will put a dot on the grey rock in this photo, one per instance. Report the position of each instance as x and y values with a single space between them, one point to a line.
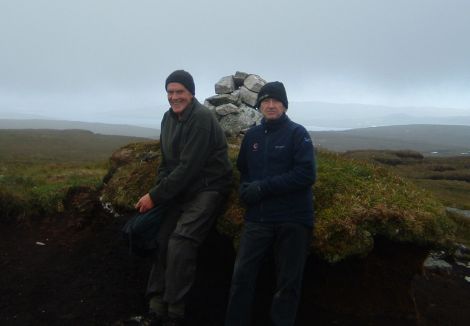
461 212
225 109
209 105
247 96
220 99
233 104
236 93
235 123
436 264
225 85
254 83
230 125
239 78
249 117
462 252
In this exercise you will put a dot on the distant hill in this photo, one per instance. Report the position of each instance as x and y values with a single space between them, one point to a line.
34 145
99 128
320 115
427 139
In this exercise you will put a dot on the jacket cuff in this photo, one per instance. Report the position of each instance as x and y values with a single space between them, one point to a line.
153 194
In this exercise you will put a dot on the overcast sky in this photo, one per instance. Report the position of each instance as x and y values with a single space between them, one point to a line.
87 59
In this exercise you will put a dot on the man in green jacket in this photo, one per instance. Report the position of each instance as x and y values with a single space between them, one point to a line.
193 178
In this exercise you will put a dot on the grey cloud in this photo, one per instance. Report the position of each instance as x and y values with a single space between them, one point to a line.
391 48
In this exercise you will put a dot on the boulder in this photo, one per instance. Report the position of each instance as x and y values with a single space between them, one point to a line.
248 97
220 99
248 117
254 83
231 125
239 78
225 109
225 85
435 263
209 105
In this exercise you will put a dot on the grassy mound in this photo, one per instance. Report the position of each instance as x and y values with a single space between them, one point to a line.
39 188
39 167
133 169
355 202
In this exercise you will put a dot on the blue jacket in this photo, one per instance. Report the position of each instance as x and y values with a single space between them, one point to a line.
281 157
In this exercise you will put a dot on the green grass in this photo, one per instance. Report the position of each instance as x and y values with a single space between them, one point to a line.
355 203
39 188
37 167
450 192
48 146
448 178
462 230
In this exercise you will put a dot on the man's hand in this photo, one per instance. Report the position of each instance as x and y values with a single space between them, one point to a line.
144 204
250 193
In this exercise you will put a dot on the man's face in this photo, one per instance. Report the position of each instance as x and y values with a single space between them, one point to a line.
272 109
178 97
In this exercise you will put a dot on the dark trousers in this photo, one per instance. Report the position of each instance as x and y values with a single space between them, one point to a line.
290 243
183 229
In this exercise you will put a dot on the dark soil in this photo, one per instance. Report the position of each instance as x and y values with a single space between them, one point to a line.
83 275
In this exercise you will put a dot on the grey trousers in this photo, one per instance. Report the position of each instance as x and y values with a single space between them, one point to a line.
183 229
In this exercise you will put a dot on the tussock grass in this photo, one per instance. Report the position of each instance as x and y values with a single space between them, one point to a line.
38 189
451 193
37 167
388 157
462 230
131 174
355 202
448 178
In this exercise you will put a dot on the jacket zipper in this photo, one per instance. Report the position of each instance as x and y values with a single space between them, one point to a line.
265 161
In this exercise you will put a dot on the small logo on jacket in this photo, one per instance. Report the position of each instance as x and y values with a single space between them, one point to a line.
255 147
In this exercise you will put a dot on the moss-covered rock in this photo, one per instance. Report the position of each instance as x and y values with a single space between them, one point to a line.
355 202
133 169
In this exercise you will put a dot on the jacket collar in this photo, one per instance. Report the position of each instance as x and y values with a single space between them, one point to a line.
276 124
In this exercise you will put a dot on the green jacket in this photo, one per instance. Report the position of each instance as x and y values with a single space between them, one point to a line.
194 155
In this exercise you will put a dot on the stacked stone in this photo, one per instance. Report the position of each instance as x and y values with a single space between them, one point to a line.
234 102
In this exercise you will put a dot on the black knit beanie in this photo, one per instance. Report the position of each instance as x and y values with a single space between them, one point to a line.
182 77
272 90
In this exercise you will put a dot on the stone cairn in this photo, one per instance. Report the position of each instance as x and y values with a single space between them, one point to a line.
234 102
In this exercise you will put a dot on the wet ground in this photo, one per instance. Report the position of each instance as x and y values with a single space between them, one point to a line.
67 271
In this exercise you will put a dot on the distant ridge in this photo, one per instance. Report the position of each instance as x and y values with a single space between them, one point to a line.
99 128
428 139
338 116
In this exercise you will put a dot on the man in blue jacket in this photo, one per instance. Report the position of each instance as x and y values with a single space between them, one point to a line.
277 171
